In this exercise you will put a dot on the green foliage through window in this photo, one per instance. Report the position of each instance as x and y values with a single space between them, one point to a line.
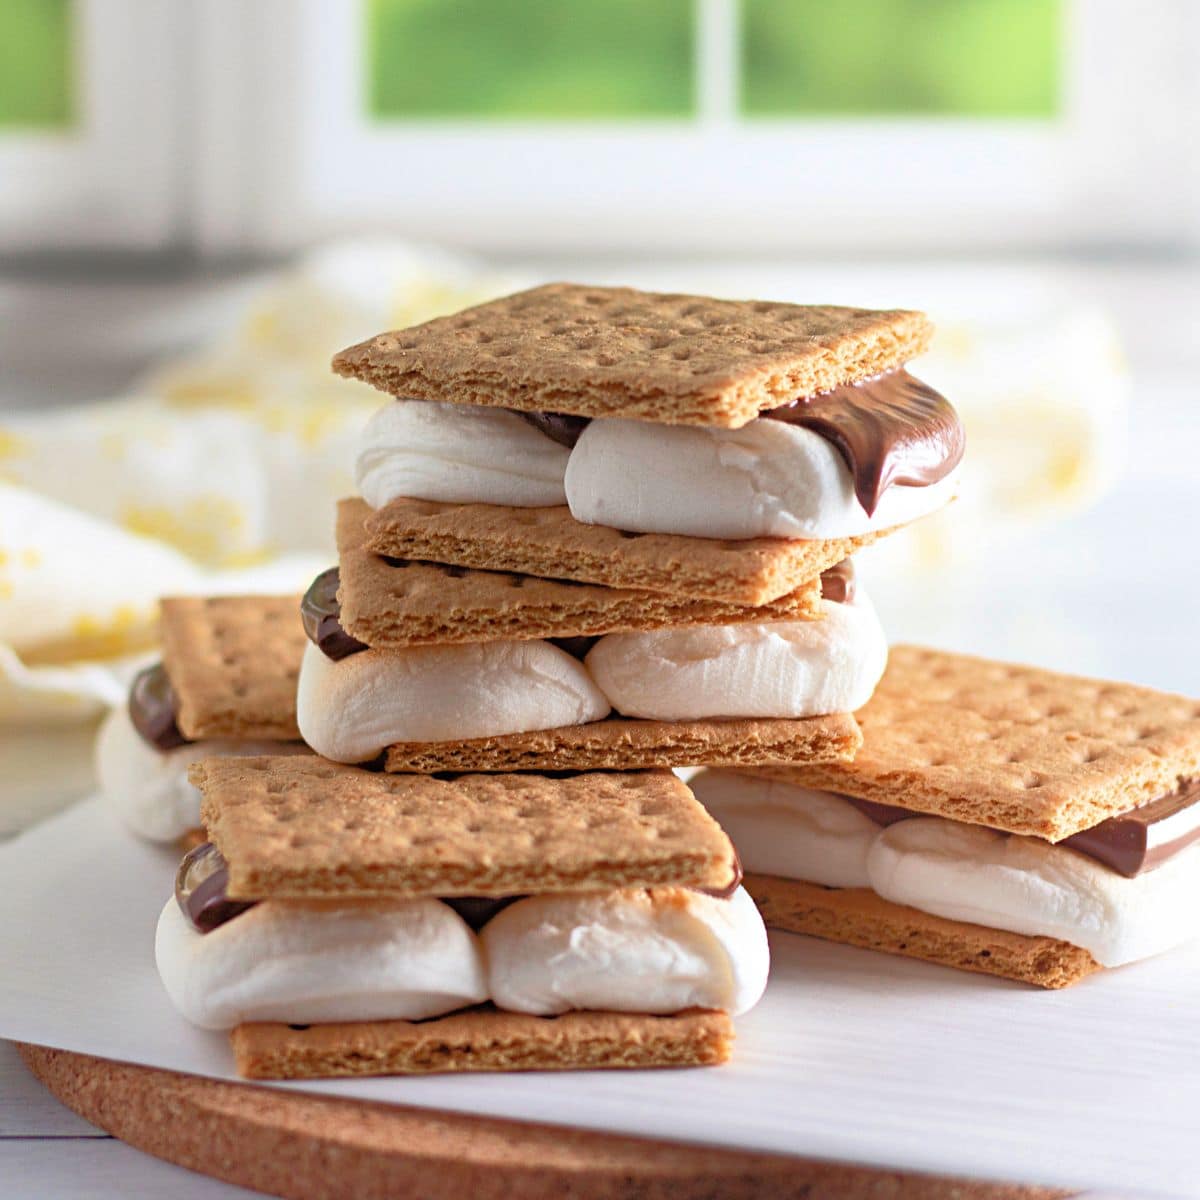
35 64
519 59
981 58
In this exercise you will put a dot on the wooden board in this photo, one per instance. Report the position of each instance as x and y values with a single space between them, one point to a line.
308 1147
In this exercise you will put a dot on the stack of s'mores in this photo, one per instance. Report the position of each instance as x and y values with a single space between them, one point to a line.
600 534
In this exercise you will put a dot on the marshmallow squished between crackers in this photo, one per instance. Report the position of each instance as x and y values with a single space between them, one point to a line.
306 962
767 479
781 669
350 710
447 452
656 951
148 789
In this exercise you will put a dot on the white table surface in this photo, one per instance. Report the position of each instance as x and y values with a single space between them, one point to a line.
1131 564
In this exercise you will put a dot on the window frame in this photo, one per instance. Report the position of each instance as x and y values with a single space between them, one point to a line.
506 186
109 181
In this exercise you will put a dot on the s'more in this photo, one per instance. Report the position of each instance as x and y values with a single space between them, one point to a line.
434 667
225 686
347 922
611 528
998 818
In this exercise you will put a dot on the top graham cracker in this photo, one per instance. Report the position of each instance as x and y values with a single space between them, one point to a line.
1011 747
617 352
304 828
233 662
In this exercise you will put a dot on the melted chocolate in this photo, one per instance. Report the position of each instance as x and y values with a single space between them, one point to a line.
891 429
152 708
562 428
576 647
726 892
838 584
1129 843
322 617
477 911
200 886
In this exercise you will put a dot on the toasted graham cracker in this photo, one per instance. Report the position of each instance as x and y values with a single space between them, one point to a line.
233 663
616 352
305 828
405 603
1015 748
483 1039
549 542
859 917
625 744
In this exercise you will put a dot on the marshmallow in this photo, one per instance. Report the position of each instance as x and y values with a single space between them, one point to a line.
148 789
351 709
1025 885
304 963
775 669
459 454
787 830
657 951
767 479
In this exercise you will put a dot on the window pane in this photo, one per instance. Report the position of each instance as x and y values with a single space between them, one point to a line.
35 53
529 58
988 58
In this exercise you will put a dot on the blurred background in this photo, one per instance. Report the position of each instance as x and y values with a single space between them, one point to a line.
201 200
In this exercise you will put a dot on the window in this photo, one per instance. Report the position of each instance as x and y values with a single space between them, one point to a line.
901 58
529 59
36 84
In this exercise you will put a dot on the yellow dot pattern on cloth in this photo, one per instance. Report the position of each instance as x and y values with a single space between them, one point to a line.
202 527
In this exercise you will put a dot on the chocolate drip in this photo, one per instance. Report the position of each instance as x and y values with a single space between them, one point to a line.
576 647
477 911
201 884
839 583
562 428
1129 843
726 892
322 616
152 708
890 429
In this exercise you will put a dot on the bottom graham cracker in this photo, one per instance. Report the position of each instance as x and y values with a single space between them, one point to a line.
859 917
483 1039
627 744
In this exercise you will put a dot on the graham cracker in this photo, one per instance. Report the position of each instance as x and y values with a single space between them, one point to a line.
401 602
233 662
1014 748
549 542
617 352
859 917
625 744
484 1039
304 828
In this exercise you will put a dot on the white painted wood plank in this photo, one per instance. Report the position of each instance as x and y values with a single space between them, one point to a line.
27 1109
100 1170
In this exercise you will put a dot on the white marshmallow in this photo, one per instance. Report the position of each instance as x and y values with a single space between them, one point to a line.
351 709
148 789
1022 884
458 454
776 669
656 951
767 479
795 832
305 963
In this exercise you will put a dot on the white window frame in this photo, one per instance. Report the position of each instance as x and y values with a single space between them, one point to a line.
306 163
109 181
